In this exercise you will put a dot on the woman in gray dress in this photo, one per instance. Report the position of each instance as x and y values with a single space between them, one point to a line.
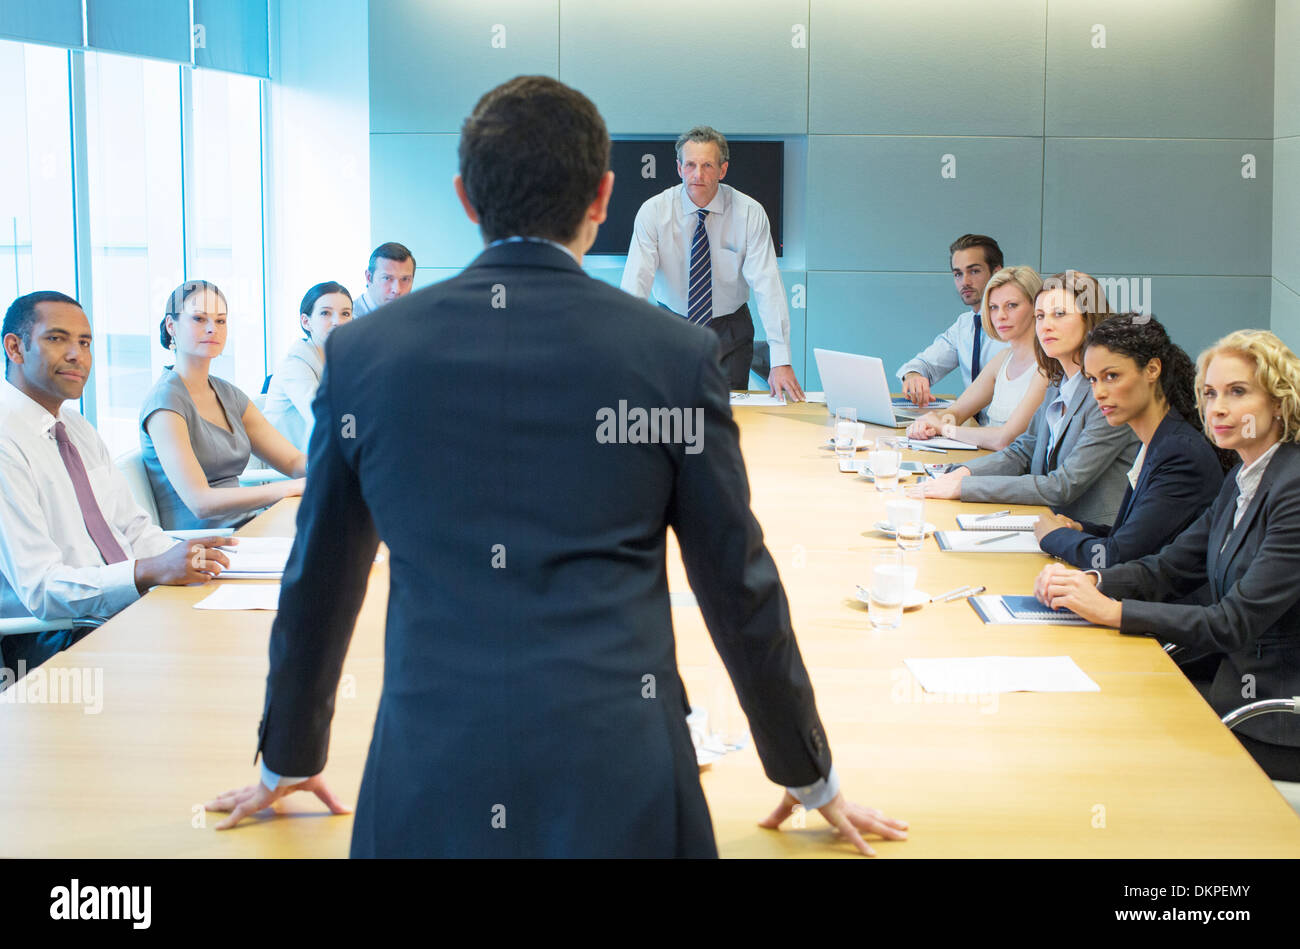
197 431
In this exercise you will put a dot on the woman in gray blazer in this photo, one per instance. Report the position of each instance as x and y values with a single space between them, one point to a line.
1246 546
1070 459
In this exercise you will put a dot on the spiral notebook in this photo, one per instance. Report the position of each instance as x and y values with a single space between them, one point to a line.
1022 611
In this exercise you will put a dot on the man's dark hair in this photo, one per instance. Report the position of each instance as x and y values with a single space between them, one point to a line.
532 154
992 252
21 315
390 251
315 293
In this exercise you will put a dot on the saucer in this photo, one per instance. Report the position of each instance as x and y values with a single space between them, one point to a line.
885 528
914 599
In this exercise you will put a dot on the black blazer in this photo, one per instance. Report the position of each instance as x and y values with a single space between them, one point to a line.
531 703
1180 477
1254 618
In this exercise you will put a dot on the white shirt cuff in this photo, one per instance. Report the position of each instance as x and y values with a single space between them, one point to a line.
271 780
119 586
819 794
779 354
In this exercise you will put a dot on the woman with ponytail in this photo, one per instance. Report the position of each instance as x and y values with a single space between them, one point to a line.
1139 377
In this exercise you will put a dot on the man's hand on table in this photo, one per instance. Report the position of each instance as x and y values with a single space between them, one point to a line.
244 802
191 561
782 383
848 818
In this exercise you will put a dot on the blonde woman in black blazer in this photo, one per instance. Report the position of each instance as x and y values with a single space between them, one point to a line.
1246 546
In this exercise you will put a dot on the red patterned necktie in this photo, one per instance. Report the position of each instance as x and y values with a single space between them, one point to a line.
109 548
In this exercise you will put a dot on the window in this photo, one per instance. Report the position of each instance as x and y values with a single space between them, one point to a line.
133 138
224 223
37 242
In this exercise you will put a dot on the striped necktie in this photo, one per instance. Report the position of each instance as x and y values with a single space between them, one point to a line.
96 526
699 296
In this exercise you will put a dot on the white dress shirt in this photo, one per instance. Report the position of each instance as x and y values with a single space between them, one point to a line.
1248 479
361 305
1056 411
50 569
293 387
952 349
741 251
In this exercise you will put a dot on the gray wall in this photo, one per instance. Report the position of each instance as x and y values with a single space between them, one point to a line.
1286 176
1125 160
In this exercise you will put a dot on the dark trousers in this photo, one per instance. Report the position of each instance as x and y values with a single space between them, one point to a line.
735 345
34 648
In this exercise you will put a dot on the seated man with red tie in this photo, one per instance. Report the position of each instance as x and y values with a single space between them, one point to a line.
74 544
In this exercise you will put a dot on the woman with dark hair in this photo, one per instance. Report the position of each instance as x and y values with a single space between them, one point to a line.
1139 377
197 431
293 387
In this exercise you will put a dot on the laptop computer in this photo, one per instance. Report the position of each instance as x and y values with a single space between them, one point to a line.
860 382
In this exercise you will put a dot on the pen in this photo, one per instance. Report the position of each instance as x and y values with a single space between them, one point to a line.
914 447
985 517
975 592
951 594
996 537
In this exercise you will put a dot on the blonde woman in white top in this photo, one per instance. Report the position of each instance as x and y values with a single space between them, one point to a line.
1011 384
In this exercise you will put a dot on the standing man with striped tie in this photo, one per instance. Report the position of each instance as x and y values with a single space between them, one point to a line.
74 544
703 246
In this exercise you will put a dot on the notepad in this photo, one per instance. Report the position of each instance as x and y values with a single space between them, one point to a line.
988 542
1022 611
242 596
257 558
948 444
1007 522
985 675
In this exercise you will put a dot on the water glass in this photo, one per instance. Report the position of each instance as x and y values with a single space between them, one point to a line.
885 460
907 517
888 589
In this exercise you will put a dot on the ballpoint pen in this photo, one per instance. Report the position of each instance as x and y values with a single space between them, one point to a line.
950 595
941 451
997 537
985 517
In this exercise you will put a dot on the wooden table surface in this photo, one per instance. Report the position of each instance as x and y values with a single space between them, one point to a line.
1140 769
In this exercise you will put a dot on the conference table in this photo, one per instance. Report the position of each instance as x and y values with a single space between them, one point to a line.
1141 768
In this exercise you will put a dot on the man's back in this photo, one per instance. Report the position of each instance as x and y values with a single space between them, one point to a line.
531 699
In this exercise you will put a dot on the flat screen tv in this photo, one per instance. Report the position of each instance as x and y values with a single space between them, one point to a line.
756 168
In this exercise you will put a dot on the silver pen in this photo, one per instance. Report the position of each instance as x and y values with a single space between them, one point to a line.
915 447
950 595
985 517
997 537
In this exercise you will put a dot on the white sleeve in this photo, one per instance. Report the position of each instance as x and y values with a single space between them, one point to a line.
939 358
764 279
642 254
33 563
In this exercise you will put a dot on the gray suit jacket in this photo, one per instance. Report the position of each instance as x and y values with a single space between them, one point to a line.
1084 476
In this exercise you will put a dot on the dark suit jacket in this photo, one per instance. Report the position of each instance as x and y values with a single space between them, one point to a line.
1179 479
531 703
1255 615
1083 476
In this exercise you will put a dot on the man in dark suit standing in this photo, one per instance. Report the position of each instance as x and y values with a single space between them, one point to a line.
532 704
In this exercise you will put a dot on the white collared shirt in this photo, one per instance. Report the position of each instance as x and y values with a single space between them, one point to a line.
361 305
292 389
50 568
740 245
1136 471
1248 479
1056 411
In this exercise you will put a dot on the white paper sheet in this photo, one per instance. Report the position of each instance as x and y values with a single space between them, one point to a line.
757 398
998 542
242 596
260 558
986 675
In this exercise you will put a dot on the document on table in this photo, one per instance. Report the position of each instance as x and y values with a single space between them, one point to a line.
756 398
985 675
988 542
818 397
948 444
1007 522
242 596
257 558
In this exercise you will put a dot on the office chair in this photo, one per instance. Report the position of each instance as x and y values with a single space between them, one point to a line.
1290 790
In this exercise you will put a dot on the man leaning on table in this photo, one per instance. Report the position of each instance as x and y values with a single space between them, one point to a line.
703 245
74 544
531 701
964 345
